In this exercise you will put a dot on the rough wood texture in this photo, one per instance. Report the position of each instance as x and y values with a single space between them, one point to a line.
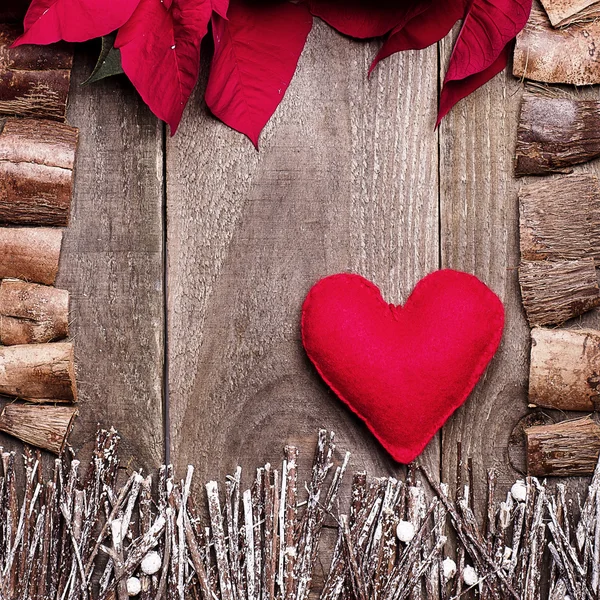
36 172
34 80
557 55
479 234
112 266
38 372
567 448
559 217
45 427
555 291
32 313
331 190
31 254
556 133
564 371
563 12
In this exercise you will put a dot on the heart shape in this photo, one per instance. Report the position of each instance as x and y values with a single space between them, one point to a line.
402 370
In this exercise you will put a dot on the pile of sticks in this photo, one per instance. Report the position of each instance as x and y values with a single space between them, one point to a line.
37 162
91 536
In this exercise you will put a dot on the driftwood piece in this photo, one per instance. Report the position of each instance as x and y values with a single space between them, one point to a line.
31 254
38 372
32 313
565 369
562 449
555 134
34 80
37 158
557 55
564 12
45 427
559 218
556 291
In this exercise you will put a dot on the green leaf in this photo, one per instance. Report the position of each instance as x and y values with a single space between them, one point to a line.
109 61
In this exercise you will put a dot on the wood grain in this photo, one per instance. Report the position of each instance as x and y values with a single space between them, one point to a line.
346 180
111 264
479 234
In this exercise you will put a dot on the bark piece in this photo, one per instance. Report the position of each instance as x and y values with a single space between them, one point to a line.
31 254
566 448
565 369
565 12
560 218
34 80
36 172
45 427
556 291
38 372
557 55
32 313
556 133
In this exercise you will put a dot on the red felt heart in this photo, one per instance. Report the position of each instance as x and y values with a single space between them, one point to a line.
402 370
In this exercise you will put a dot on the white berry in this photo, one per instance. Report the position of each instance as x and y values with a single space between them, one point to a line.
134 586
405 531
519 491
449 567
151 563
470 576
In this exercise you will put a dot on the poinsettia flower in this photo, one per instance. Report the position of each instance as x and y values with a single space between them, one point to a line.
160 52
256 52
481 50
49 21
365 18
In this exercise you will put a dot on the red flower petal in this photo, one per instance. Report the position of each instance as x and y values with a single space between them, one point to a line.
256 53
488 27
364 18
480 50
454 91
160 53
424 28
48 21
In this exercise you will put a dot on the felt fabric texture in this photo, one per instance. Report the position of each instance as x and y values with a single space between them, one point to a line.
402 369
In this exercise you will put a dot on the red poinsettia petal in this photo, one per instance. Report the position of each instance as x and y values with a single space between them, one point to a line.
160 53
456 90
424 28
365 18
487 28
480 51
48 21
256 53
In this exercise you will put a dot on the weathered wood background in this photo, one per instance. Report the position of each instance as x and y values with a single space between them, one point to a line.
188 257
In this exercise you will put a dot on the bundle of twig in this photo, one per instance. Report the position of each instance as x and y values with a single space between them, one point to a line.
87 536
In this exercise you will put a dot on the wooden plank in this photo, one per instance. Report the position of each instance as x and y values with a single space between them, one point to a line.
112 265
479 234
346 179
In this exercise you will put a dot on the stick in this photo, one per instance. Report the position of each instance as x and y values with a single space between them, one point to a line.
37 158
564 369
30 253
555 291
39 371
39 75
566 448
31 313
